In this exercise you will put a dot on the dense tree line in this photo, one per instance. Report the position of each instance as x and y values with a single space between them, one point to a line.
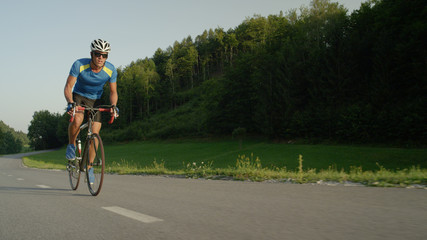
319 72
315 73
11 141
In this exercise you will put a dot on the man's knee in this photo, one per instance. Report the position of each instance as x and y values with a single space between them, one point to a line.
78 119
75 124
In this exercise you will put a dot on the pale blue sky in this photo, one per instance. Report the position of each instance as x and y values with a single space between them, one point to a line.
39 40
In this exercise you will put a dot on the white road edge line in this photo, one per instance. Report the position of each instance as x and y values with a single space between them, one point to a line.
132 214
43 186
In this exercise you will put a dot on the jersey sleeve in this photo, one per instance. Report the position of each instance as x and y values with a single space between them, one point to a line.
113 78
75 69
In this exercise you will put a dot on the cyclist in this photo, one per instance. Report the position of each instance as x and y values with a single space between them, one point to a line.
85 86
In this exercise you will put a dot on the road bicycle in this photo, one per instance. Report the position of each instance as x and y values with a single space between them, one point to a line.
93 157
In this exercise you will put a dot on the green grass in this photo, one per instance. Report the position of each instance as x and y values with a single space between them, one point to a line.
258 161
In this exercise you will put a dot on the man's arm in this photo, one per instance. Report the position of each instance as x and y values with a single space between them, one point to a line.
113 94
68 89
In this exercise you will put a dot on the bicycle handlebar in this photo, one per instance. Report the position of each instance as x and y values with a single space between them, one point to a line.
80 108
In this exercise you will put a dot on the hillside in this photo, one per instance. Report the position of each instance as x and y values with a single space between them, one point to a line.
318 74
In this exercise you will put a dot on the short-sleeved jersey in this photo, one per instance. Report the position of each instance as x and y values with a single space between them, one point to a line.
90 84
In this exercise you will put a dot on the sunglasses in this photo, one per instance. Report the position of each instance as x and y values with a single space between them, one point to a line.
97 54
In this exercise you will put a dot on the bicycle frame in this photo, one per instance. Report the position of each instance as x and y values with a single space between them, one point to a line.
91 118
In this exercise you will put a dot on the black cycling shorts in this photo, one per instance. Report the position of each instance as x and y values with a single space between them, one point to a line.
84 101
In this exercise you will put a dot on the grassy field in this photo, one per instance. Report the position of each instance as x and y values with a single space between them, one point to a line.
259 161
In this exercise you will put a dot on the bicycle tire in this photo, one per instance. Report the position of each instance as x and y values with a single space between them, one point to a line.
98 163
74 169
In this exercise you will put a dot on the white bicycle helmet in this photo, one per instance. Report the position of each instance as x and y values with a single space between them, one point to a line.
100 45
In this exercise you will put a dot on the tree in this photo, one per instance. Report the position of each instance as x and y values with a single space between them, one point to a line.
137 84
10 140
183 63
251 33
204 55
231 44
42 130
1 141
9 144
162 96
148 80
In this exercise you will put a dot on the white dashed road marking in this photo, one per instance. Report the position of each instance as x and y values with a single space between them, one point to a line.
43 186
20 179
132 214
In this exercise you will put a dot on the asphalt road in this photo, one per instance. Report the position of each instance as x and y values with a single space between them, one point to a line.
38 204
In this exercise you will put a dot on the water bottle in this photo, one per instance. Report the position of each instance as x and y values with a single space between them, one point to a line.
79 146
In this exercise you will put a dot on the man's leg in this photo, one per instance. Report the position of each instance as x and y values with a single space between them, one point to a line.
73 131
96 127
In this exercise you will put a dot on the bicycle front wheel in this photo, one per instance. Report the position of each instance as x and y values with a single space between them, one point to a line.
95 163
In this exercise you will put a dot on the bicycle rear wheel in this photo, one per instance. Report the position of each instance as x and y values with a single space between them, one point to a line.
95 163
74 168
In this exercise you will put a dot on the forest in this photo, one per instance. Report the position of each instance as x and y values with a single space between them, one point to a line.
318 73
11 141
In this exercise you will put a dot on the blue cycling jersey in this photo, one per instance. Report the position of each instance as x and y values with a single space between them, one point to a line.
90 84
